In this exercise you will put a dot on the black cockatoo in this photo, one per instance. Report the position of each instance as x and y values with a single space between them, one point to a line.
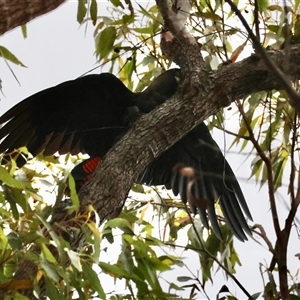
91 113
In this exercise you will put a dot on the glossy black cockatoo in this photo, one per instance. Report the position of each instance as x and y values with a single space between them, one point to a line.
91 113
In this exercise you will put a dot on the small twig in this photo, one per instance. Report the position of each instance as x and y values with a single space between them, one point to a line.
293 171
263 235
214 259
256 20
287 44
223 34
244 137
268 164
282 236
218 263
294 206
281 77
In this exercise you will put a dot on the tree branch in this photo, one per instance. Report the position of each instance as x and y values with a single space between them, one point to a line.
168 123
19 12
281 76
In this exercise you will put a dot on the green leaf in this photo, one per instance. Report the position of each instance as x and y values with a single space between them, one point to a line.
7 179
262 5
55 238
14 241
96 241
175 287
3 240
275 7
145 30
118 272
297 28
279 168
274 28
15 196
18 296
297 2
24 31
209 15
75 259
126 257
105 41
81 11
127 19
138 188
256 295
257 166
146 79
49 270
171 260
93 11
184 278
118 223
5 53
2 200
107 234
148 273
93 280
147 13
47 254
51 290
213 245
117 3
73 194
148 60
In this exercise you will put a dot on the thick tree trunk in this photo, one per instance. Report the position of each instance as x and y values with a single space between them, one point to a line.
19 12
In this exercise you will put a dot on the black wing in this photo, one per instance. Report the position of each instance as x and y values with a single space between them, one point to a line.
83 115
88 115
213 180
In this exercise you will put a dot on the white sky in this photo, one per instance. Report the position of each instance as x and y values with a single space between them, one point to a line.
56 50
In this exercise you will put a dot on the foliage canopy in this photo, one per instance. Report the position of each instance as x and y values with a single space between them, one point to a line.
128 41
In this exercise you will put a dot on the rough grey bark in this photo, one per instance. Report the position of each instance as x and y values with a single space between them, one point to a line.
19 12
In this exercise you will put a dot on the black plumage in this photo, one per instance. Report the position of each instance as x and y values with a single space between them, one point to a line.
91 113
213 178
83 115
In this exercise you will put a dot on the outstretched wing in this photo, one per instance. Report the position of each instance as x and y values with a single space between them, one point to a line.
212 179
83 115
88 115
